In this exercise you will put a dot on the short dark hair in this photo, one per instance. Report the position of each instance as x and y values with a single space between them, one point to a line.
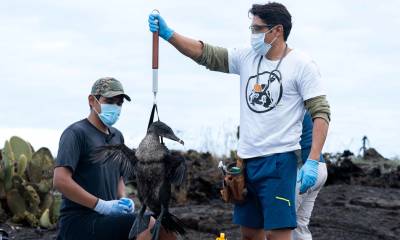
97 97
274 13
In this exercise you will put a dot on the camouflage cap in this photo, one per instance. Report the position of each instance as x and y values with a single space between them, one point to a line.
108 87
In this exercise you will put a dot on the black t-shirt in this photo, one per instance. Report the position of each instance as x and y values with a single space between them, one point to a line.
76 147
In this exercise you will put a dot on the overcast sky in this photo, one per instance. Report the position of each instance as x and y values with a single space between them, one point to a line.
53 51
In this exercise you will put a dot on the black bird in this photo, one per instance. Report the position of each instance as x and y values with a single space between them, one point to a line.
155 169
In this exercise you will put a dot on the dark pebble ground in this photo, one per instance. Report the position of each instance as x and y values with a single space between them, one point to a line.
342 212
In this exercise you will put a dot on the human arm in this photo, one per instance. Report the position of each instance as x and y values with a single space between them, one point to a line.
121 188
71 144
63 182
319 109
212 57
311 90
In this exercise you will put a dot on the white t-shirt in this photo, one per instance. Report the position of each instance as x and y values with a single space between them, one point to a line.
271 120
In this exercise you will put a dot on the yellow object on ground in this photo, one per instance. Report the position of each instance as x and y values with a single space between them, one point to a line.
221 237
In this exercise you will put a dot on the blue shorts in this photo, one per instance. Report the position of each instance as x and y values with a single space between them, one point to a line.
271 186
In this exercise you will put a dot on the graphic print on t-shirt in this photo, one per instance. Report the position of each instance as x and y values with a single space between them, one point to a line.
270 94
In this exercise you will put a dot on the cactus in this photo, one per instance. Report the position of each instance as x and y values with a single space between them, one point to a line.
55 207
20 147
26 183
47 202
33 200
8 161
51 210
15 152
45 220
45 185
21 166
41 165
16 202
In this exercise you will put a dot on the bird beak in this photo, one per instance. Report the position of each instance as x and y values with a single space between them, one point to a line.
175 138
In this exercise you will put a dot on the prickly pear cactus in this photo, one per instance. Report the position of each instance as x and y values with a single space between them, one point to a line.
55 207
20 147
17 206
8 164
32 199
21 165
26 185
45 220
51 210
41 165
16 154
47 202
16 202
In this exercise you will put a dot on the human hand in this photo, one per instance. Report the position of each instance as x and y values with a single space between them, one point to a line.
308 175
112 207
157 23
129 203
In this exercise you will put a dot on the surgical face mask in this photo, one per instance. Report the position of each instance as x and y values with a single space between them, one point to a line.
109 113
258 44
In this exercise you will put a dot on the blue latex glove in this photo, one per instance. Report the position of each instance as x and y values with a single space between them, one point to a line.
308 175
157 23
112 207
129 203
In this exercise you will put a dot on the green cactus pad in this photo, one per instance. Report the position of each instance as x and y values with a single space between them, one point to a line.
26 217
41 165
45 220
55 207
45 185
16 202
18 183
8 164
47 202
20 147
32 199
21 165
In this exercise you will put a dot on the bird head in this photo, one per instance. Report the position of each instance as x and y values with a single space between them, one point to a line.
163 130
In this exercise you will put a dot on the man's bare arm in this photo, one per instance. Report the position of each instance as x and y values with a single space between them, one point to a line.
320 112
320 130
63 182
121 188
187 46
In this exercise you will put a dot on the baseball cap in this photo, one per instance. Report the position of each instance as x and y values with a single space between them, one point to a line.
108 87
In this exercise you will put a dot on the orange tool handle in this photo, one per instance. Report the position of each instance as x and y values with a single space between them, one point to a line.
155 50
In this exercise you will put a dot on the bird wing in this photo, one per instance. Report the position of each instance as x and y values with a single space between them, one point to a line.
176 166
118 154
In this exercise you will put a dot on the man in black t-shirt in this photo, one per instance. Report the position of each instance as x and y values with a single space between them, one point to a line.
94 205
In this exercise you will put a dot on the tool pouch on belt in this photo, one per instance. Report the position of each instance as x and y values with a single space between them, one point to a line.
234 185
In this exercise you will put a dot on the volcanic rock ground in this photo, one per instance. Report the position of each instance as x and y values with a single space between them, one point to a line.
359 201
341 212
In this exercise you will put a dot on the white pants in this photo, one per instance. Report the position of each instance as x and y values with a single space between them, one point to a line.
305 205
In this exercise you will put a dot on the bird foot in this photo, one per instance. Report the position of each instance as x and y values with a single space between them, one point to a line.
156 230
139 225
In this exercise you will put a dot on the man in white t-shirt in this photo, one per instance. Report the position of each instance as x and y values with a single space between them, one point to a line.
277 85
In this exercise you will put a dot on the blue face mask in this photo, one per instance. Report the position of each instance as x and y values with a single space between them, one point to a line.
109 113
258 44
